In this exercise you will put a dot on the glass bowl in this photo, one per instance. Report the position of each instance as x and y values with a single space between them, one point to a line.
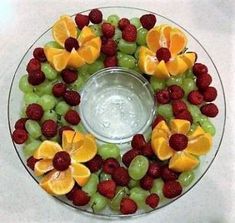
16 96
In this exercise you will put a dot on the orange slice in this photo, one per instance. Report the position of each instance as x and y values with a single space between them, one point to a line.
189 58
180 126
75 61
60 61
196 133
95 42
67 139
178 42
88 53
51 52
176 66
85 35
47 150
153 39
156 133
162 125
78 141
80 173
165 35
58 182
43 166
161 70
182 161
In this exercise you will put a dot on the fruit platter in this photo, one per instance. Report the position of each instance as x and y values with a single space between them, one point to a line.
116 111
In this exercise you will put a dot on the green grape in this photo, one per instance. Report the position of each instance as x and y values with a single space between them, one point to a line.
108 151
61 108
49 71
133 183
157 187
33 128
178 80
78 84
29 140
94 67
53 44
23 112
105 176
24 85
79 128
137 69
127 61
29 149
141 36
120 55
50 114
189 74
188 85
113 19
157 84
78 32
120 193
30 98
96 29
118 35
202 119
208 127
44 88
186 178
139 196
56 138
63 121
136 55
165 111
192 128
195 112
138 167
127 47
102 57
91 186
98 202
47 102
136 22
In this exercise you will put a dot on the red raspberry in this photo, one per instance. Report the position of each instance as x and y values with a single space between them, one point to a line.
163 96
20 123
107 188
36 77
154 170
69 76
34 111
210 110
178 141
199 69
121 176
70 44
158 119
95 163
80 198
203 81
176 92
72 97
138 141
70 195
128 206
81 20
49 128
59 89
108 30
129 33
61 161
148 151
31 161
95 16
33 65
152 200
64 128
178 106
109 47
123 23
146 182
185 115
110 61
163 54
209 94
172 189
195 97
39 54
110 165
19 136
148 21
72 117
168 174
129 156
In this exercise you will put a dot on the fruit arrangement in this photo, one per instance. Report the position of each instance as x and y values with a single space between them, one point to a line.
68 160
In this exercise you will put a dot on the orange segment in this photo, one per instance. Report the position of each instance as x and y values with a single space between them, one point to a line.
180 126
165 35
80 173
60 61
95 42
58 182
178 42
47 150
78 141
197 132
43 166
161 71
156 133
153 39
182 161
75 60
85 35
162 125
67 139
176 66
88 53
51 52
189 58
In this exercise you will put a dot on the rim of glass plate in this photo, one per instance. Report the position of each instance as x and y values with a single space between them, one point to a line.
171 201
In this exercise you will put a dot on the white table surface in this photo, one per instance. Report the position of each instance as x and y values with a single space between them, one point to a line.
212 200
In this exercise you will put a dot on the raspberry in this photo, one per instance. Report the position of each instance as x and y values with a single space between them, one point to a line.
19 136
148 21
108 30
203 81
172 189
64 128
121 176
176 92
163 96
72 97
109 47
152 200
59 89
80 198
199 69
168 174
110 61
69 76
61 161
154 170
129 33
20 124
163 54
210 110
33 65
31 161
123 23
36 77
146 182
209 94
39 54
95 16
129 156
128 206
107 188
178 141
70 195
178 106
72 117
147 150
158 119
195 97
138 142
81 20
110 165
34 111
185 115
70 44
49 128
95 163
